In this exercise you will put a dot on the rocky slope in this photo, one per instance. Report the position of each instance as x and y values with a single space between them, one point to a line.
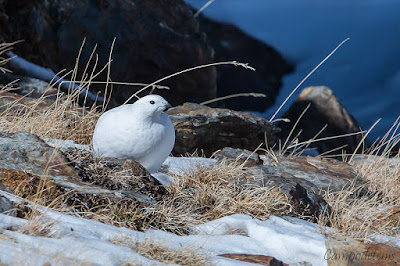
154 39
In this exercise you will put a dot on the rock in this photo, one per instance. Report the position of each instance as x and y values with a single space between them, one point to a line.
6 206
325 109
154 39
246 157
25 151
301 178
80 181
304 177
199 127
127 176
256 259
322 173
65 145
231 43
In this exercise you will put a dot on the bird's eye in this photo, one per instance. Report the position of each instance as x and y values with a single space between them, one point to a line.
152 102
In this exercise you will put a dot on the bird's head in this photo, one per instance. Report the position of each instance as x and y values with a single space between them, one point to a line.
152 105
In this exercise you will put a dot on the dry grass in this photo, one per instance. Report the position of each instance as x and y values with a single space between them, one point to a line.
40 190
122 214
61 118
43 192
38 226
159 251
359 217
377 211
206 193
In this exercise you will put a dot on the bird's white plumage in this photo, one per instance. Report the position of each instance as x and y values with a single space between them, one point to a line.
138 131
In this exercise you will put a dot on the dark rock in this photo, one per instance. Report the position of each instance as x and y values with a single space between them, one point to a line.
154 38
302 179
199 127
321 173
325 109
256 259
308 203
231 43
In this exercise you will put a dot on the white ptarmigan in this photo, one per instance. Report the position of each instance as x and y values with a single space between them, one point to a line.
138 131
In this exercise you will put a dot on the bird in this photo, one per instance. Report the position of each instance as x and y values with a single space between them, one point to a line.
140 131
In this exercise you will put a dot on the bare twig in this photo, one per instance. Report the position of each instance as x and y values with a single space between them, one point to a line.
234 96
202 8
235 63
309 74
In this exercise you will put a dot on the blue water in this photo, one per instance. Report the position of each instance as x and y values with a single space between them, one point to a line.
364 73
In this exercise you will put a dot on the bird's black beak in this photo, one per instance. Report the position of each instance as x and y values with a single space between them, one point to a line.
167 106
